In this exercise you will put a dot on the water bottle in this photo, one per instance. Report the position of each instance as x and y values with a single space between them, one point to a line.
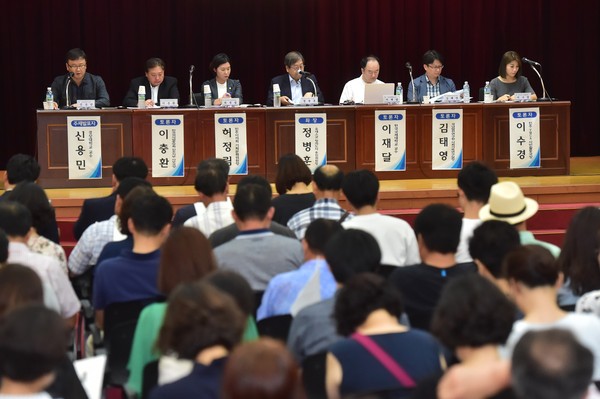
207 96
49 98
487 93
466 93
399 91
142 97
276 95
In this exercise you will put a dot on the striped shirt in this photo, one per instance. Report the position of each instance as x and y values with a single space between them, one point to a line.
324 208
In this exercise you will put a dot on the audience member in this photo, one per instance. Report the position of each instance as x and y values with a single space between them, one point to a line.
294 84
474 184
256 253
133 275
431 83
202 324
552 364
395 237
354 90
379 354
534 277
274 376
3 247
19 168
292 183
221 86
43 221
156 85
99 209
508 203
589 303
578 259
327 186
289 292
348 253
438 231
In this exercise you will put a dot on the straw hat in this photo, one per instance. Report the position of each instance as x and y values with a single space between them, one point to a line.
589 303
508 203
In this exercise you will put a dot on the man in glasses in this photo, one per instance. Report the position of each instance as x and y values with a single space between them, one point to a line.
294 84
431 83
77 84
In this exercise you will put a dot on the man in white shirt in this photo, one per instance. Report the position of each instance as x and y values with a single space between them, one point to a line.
354 90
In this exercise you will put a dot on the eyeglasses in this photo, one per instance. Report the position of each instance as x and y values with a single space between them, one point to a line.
82 66
297 67
437 67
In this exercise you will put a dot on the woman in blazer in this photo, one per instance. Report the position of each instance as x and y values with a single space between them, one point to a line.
221 86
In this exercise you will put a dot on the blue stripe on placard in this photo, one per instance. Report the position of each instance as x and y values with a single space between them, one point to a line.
390 117
536 160
178 172
97 172
524 115
447 115
243 168
311 121
84 123
167 122
401 165
231 120
458 163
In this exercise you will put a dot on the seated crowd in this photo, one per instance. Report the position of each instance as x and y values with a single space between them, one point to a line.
467 305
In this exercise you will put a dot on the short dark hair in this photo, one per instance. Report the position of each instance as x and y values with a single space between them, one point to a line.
128 201
19 286
350 252
35 199
362 295
255 179
491 241
365 60
3 247
210 178
232 283
319 232
75 54
15 219
130 167
200 316
472 312
252 201
507 58
551 364
292 57
154 62
361 188
218 60
328 177
32 343
214 163
439 226
476 180
129 183
22 167
291 169
532 265
151 213
432 55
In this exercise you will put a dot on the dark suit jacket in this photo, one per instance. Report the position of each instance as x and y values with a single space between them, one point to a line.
94 210
446 85
167 89
234 87
286 89
183 214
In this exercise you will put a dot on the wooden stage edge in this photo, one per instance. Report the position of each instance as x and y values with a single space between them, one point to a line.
581 186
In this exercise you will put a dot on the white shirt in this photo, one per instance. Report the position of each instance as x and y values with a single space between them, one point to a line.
396 239
217 215
154 92
221 89
296 90
466 232
354 90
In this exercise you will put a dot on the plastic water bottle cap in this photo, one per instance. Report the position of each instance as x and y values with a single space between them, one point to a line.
276 87
142 90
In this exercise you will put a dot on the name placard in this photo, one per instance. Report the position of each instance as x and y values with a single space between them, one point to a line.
524 138
311 139
306 101
230 102
169 103
167 146
447 136
392 99
84 144
522 97
390 140
230 141
86 104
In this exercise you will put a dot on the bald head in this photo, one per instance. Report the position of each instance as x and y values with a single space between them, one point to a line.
328 178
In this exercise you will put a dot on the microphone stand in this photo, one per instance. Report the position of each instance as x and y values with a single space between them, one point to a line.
414 92
191 104
314 86
68 100
545 96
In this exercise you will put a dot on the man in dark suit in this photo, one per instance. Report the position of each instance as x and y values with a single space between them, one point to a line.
294 85
98 209
19 168
156 83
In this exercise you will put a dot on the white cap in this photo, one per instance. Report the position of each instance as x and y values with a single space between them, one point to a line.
206 89
142 89
276 87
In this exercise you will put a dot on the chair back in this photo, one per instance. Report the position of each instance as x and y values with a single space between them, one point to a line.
313 376
277 327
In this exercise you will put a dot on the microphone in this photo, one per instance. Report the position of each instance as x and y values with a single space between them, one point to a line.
192 68
304 73
191 104
530 62
307 75
408 66
412 83
69 78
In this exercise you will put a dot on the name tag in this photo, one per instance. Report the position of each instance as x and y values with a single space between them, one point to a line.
392 99
86 104
522 97
452 98
169 103
309 101
230 102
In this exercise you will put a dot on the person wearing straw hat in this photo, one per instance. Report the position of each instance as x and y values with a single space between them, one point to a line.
508 203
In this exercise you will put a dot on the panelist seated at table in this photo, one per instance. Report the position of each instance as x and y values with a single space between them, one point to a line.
293 84
431 83
354 90
157 85
82 86
510 80
221 86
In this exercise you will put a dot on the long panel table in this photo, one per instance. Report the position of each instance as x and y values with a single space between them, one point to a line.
270 134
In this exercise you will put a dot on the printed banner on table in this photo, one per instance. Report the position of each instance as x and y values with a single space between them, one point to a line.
84 143
311 139
230 141
524 137
167 146
447 139
390 140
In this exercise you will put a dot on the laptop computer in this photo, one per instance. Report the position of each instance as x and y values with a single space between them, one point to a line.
374 92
